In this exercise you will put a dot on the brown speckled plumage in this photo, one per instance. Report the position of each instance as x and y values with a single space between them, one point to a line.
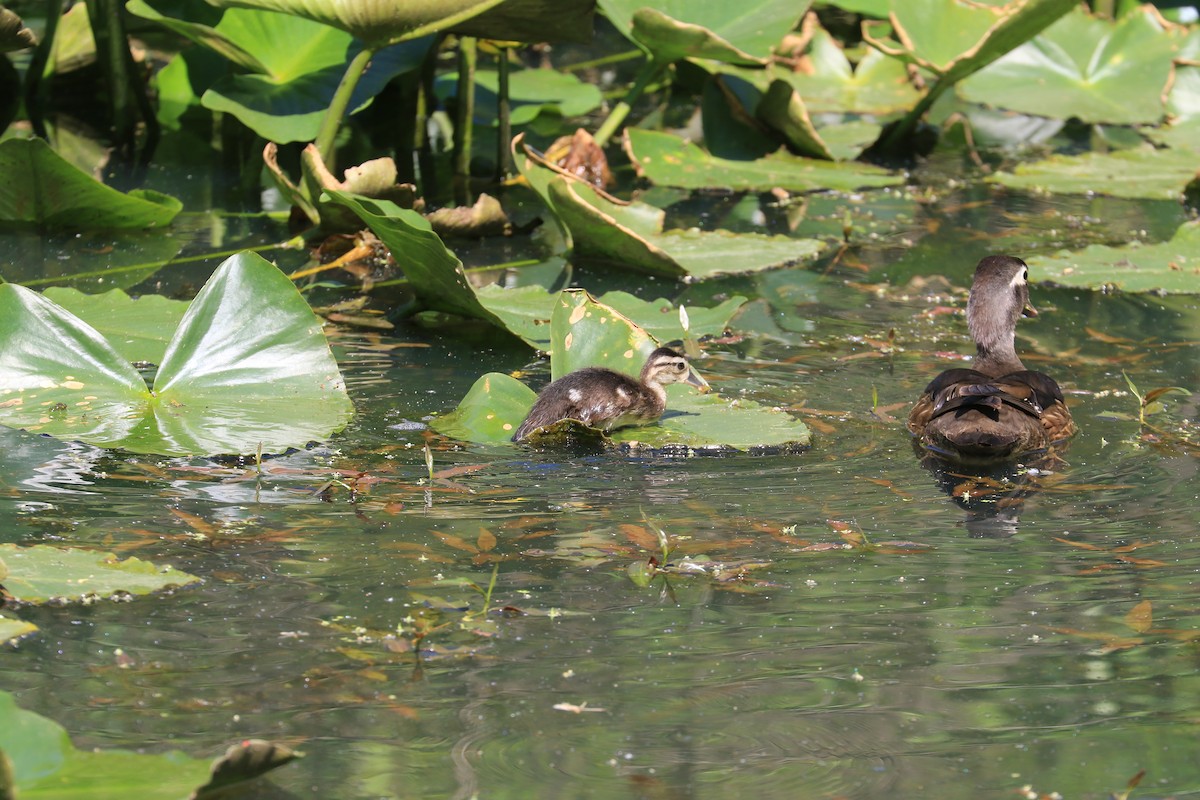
998 410
605 399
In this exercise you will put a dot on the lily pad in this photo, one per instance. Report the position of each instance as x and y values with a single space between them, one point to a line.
668 160
1083 66
1143 172
42 188
137 328
491 412
952 39
96 259
41 574
44 764
380 24
1172 266
632 236
12 629
247 370
588 333
876 85
739 33
435 274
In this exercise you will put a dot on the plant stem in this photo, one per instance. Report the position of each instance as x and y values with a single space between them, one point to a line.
339 103
649 72
467 56
503 140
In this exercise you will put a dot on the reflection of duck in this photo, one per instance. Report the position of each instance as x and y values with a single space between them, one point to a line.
998 410
604 399
992 496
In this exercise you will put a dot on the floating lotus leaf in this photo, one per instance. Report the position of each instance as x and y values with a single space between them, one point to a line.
953 39
783 109
247 370
739 33
493 409
876 85
44 764
379 22
41 188
1144 172
631 236
1083 66
1172 266
139 329
42 573
12 629
294 65
668 160
589 333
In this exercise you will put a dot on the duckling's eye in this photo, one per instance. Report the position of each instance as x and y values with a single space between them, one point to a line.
1025 275
680 366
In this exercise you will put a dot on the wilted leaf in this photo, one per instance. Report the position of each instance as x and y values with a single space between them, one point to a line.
242 762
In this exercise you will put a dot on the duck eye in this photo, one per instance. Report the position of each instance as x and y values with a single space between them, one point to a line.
1025 275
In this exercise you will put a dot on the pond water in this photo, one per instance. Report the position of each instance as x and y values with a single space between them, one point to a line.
1036 632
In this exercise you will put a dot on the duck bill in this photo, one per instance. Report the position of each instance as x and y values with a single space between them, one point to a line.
1029 310
694 379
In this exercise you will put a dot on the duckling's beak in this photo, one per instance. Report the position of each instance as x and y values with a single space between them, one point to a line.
1029 310
694 379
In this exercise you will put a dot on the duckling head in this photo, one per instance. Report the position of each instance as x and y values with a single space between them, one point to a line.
667 366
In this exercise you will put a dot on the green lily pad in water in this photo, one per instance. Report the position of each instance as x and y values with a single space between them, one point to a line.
248 370
1172 266
667 160
1142 173
42 763
138 328
632 236
42 574
1083 66
738 33
13 629
42 188
586 333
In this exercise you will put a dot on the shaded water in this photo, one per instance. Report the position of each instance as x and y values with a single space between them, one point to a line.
958 656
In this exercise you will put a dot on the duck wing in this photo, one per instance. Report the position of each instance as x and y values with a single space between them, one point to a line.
966 413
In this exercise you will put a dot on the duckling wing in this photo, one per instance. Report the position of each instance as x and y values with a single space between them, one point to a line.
599 398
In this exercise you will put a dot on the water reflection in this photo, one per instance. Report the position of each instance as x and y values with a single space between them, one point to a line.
992 496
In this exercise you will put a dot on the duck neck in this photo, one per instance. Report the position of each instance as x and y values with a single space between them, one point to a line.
997 356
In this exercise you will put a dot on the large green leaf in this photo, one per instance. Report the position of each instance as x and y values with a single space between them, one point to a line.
12 629
953 39
46 766
876 85
42 188
247 370
137 328
42 574
1172 266
1144 172
434 273
668 160
491 412
740 33
631 236
587 333
380 22
1083 66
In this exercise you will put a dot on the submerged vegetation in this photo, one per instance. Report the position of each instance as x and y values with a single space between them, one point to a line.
467 175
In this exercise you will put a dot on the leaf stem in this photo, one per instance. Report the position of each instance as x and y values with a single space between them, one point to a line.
339 104
649 72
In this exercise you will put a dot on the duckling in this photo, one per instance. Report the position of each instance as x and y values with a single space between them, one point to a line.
605 399
998 410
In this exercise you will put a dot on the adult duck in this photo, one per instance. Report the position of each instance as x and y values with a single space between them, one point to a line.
999 410
606 399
